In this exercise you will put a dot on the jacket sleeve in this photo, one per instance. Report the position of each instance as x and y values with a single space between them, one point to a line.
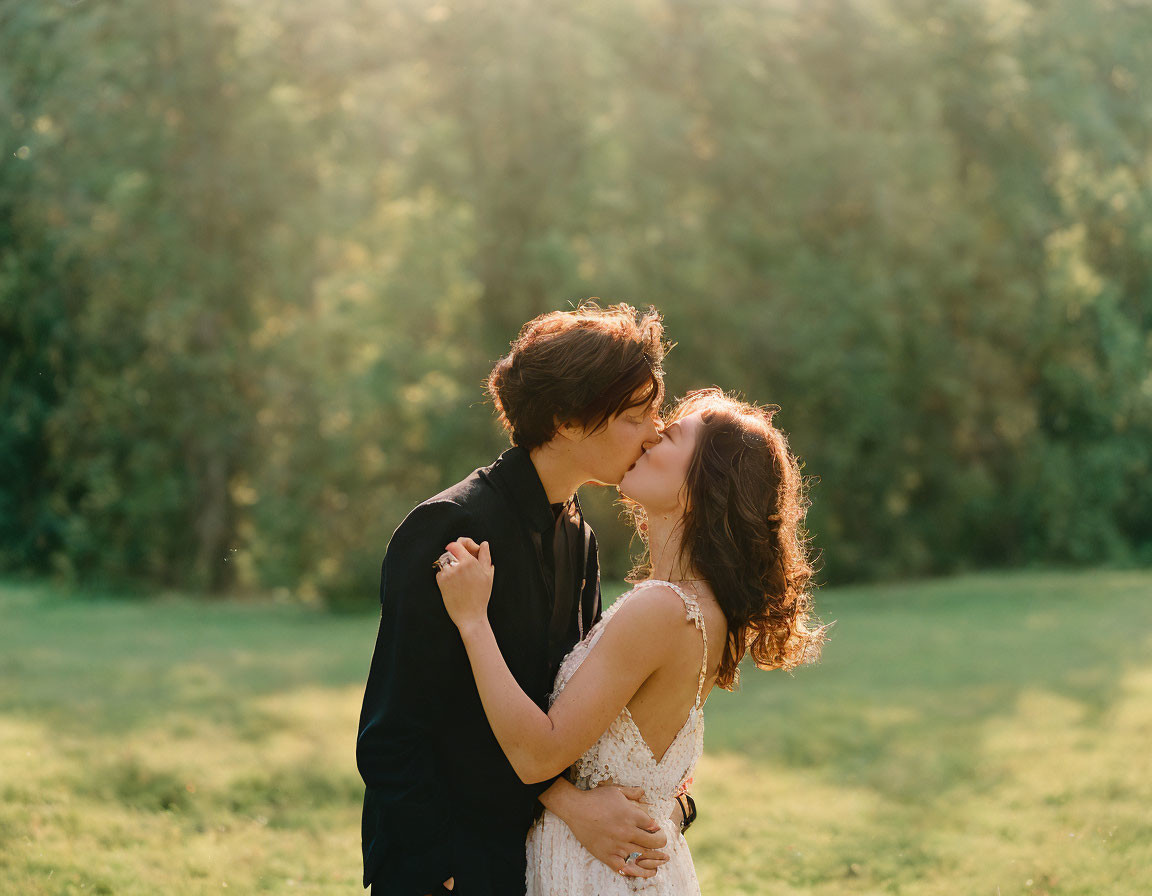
407 823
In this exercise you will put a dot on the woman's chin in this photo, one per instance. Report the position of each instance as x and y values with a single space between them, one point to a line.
623 488
627 490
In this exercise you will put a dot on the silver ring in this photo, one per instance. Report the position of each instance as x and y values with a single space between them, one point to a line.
444 561
632 858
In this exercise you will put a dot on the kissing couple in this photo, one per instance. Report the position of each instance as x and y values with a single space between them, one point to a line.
514 738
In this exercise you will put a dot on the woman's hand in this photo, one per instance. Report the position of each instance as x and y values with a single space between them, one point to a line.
466 585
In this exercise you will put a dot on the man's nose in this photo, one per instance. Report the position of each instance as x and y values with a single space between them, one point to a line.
654 433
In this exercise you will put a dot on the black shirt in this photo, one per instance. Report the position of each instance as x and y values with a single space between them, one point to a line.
564 567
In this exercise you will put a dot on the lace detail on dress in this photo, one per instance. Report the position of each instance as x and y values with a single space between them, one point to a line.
557 863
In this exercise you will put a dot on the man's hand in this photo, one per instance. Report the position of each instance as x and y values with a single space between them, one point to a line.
609 823
449 884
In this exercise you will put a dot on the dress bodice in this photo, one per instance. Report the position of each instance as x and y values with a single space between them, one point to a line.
557 863
621 754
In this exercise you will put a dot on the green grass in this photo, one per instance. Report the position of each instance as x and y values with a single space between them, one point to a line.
978 735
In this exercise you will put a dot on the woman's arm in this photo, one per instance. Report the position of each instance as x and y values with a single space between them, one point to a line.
540 745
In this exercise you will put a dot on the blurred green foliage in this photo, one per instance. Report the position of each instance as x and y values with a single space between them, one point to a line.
256 258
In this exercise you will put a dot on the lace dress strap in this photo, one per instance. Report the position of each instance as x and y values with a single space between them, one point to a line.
694 615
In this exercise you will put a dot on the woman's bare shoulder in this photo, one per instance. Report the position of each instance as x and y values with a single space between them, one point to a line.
655 606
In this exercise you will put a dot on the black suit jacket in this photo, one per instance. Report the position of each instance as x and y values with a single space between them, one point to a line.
441 799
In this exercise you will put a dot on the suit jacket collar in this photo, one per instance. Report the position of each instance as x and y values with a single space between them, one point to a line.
515 470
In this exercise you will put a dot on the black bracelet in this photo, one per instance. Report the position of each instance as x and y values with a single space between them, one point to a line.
689 813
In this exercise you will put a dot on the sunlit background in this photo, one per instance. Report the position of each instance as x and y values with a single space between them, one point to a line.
257 256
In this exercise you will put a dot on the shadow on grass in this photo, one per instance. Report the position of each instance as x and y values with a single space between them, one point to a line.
285 796
114 667
897 704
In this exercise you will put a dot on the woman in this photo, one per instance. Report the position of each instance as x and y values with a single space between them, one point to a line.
718 502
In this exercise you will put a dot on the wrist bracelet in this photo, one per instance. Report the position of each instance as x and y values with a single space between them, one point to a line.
689 812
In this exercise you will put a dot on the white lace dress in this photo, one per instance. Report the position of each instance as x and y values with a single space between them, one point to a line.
557 864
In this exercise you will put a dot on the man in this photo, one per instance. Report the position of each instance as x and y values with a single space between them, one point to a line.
579 394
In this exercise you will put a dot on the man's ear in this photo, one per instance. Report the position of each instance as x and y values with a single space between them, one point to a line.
567 430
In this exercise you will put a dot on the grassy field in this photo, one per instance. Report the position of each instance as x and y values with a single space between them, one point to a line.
979 735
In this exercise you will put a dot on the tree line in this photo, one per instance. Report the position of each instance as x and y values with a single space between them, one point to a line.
256 258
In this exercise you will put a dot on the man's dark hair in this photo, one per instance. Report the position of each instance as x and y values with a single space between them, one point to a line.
583 366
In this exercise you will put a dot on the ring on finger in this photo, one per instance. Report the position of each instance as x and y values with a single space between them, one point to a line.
631 860
444 561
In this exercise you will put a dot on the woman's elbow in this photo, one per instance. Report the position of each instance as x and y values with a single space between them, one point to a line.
528 775
530 772
535 769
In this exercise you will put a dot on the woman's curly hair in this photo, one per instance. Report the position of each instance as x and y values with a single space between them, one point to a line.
743 533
